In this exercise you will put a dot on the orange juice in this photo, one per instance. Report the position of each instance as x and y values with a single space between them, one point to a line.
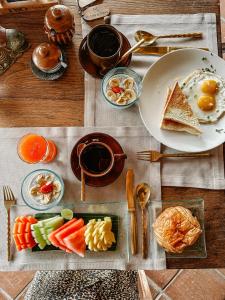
33 148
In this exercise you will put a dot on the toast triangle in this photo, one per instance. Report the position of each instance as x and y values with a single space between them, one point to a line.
178 115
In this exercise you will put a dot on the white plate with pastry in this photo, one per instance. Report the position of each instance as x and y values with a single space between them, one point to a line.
183 100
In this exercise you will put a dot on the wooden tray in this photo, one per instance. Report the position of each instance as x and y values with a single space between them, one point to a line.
16 6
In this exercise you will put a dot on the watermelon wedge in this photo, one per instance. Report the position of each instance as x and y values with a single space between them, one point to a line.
67 231
52 237
76 241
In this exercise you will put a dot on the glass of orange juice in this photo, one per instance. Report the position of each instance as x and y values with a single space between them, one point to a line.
33 148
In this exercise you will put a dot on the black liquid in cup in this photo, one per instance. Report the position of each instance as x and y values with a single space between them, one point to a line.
104 42
96 159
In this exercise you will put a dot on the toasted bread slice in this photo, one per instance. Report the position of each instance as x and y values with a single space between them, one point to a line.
178 115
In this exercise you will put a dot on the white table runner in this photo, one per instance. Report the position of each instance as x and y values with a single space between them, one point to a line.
208 173
13 171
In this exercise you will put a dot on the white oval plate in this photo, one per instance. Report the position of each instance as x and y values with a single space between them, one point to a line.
162 74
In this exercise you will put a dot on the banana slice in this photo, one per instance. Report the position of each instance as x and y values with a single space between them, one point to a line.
122 100
128 83
111 95
130 94
47 198
114 82
34 191
57 186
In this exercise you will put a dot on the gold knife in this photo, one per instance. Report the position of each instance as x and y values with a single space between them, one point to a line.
132 210
160 50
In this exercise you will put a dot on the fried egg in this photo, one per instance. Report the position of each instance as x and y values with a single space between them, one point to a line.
205 92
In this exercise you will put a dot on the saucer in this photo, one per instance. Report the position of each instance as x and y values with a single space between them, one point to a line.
50 76
91 68
116 170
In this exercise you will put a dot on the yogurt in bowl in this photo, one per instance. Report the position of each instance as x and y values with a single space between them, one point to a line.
121 87
42 189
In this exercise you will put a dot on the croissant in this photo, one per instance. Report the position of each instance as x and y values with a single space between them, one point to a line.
175 229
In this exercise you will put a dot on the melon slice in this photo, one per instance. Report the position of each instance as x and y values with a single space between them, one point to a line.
67 231
52 237
76 241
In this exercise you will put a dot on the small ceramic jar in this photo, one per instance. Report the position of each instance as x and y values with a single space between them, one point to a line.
59 24
47 57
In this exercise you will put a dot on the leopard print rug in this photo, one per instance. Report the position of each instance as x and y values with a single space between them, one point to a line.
84 285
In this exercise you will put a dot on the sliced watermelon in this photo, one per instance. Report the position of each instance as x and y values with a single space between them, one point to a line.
76 241
52 237
67 231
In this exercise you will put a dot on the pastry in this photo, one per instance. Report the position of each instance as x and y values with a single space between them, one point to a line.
176 228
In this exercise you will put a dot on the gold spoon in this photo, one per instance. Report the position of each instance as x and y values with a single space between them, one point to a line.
150 38
143 193
137 45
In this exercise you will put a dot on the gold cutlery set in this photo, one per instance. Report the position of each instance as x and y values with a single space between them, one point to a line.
145 40
140 195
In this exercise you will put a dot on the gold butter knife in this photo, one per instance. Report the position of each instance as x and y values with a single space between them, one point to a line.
132 210
159 50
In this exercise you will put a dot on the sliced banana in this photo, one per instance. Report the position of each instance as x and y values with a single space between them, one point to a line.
57 186
128 83
111 95
41 179
114 82
122 100
47 198
130 94
34 191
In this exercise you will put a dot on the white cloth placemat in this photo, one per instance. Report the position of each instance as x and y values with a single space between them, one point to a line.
13 171
208 173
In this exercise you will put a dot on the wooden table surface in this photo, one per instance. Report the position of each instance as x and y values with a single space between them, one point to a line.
27 101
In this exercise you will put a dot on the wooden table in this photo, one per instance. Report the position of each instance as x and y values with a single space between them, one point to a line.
27 101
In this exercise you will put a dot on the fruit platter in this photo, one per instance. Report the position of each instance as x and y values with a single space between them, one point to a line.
88 231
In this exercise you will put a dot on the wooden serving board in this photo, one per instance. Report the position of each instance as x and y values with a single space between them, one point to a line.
86 218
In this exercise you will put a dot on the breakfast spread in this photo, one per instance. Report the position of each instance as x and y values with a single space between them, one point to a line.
45 188
178 114
176 228
121 89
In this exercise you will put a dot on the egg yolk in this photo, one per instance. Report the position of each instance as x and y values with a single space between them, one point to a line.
209 87
206 102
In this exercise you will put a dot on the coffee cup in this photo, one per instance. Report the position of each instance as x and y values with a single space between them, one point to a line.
96 159
104 44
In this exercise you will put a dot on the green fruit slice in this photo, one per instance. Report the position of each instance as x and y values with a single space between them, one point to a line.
67 214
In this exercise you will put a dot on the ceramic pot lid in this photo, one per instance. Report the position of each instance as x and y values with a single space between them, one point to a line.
59 18
46 56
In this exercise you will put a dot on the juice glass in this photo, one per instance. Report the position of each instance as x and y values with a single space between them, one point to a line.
33 148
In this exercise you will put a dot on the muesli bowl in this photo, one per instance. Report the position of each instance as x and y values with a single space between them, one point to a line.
121 87
42 189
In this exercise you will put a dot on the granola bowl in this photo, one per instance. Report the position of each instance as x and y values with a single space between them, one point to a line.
42 189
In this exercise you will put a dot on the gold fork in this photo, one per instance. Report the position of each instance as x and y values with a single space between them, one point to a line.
9 200
154 156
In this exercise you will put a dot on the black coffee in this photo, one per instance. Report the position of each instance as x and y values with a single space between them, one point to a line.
96 158
104 42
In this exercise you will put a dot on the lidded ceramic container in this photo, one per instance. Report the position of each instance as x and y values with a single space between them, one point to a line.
47 57
59 24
